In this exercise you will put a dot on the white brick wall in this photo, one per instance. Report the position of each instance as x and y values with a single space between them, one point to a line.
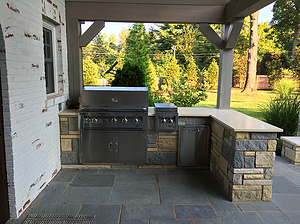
30 117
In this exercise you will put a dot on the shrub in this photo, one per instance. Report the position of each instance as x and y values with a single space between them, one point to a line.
90 72
285 87
187 95
211 75
130 75
272 65
283 113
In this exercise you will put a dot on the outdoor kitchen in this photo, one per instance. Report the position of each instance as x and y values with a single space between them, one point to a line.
238 149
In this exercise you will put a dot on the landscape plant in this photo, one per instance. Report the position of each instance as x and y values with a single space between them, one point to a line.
187 95
283 113
211 75
285 87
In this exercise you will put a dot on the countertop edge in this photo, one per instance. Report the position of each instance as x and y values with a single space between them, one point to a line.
227 117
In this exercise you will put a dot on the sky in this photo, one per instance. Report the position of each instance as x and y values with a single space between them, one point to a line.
265 14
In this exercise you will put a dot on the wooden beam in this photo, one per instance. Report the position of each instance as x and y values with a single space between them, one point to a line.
243 8
90 33
211 35
233 33
74 61
154 13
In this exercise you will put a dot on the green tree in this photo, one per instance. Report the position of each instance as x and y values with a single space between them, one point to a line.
129 75
152 77
173 72
239 68
137 47
211 75
191 73
286 17
90 72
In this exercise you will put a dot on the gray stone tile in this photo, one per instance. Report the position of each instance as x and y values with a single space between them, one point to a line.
220 202
134 221
195 212
162 158
64 128
257 206
69 158
89 171
138 179
152 171
93 180
51 193
69 171
257 135
206 221
73 123
295 180
287 202
182 171
281 169
282 186
164 221
49 209
86 195
75 144
293 216
65 178
135 193
183 196
148 211
105 214
274 218
239 218
174 180
117 171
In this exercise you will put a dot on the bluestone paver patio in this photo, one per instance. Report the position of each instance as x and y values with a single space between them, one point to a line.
165 196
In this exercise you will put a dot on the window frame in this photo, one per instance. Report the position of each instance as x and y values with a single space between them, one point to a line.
51 27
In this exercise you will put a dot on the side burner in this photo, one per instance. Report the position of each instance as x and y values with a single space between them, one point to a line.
166 117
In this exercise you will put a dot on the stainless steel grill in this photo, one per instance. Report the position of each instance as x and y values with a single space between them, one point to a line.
113 125
166 117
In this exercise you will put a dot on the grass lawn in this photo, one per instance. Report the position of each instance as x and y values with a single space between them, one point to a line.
247 103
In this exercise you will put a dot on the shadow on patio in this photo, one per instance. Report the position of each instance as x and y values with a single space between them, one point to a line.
165 196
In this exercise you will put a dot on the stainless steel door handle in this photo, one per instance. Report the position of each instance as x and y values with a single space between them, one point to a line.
195 131
109 146
117 146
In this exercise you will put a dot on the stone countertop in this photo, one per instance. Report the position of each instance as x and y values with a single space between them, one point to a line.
293 140
234 120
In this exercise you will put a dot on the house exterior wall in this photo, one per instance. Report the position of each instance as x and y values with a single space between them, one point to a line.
31 120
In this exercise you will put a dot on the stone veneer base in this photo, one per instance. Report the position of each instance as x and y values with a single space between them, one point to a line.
242 162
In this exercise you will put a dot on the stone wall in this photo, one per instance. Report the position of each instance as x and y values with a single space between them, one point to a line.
162 147
291 149
243 163
69 139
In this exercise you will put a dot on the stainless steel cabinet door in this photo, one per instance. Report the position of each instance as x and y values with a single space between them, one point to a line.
130 147
193 145
97 147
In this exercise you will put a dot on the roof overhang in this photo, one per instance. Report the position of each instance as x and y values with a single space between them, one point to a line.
163 11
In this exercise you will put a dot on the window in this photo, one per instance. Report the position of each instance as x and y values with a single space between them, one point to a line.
49 60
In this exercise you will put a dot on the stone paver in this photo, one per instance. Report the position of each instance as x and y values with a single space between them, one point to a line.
165 196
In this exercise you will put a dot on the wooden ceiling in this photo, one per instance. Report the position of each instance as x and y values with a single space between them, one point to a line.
163 11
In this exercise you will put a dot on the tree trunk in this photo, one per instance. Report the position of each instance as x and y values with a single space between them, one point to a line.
295 40
252 54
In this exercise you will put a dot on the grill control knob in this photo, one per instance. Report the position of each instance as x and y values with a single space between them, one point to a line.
87 119
114 120
135 120
163 120
170 120
94 119
124 120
